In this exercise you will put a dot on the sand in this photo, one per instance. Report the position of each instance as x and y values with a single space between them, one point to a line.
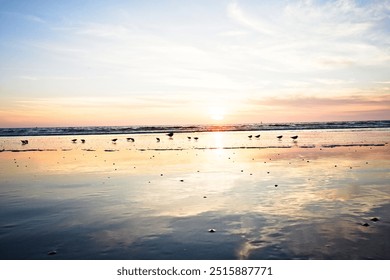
263 198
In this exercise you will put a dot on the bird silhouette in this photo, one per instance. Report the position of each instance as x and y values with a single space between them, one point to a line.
170 134
130 139
279 137
294 137
158 139
257 136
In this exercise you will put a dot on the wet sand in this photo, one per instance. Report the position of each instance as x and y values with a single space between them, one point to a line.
314 198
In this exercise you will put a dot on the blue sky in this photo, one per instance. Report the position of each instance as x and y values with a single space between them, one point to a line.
188 62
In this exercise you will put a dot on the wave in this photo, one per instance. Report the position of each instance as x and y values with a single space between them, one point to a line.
96 130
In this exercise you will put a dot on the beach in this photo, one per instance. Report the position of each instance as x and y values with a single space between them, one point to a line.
325 195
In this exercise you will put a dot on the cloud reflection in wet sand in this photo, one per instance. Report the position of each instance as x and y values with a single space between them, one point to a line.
139 202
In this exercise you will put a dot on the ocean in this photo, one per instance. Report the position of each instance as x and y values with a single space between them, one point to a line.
100 130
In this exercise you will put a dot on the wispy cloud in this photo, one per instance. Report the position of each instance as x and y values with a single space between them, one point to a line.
103 30
312 35
26 17
235 12
315 102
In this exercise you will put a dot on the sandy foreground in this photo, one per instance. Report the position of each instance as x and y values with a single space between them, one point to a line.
223 196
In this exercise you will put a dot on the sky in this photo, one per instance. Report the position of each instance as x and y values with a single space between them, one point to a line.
86 63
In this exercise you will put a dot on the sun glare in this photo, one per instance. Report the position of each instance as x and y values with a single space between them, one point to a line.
217 113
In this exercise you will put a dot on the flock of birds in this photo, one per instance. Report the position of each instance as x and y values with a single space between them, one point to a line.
170 135
295 137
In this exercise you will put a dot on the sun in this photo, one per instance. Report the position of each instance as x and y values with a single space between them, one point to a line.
217 113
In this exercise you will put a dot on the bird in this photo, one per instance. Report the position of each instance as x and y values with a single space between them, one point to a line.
158 139
196 138
170 134
257 136
294 137
74 140
24 142
250 136
130 139
114 140
83 141
279 137
189 137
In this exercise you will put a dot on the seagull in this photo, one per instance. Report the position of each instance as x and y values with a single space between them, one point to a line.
170 134
114 140
279 137
158 139
257 136
83 141
294 137
130 139
74 140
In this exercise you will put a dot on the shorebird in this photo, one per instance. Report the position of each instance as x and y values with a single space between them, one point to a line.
196 138
250 136
130 139
279 137
257 136
74 140
189 137
24 142
83 141
114 140
294 137
170 134
158 139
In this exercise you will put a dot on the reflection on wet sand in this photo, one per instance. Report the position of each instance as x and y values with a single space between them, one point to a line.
151 199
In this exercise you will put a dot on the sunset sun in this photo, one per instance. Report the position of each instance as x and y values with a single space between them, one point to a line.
217 113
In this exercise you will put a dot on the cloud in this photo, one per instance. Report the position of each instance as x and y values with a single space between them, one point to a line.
315 102
235 12
26 17
103 30
308 36
34 18
312 108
